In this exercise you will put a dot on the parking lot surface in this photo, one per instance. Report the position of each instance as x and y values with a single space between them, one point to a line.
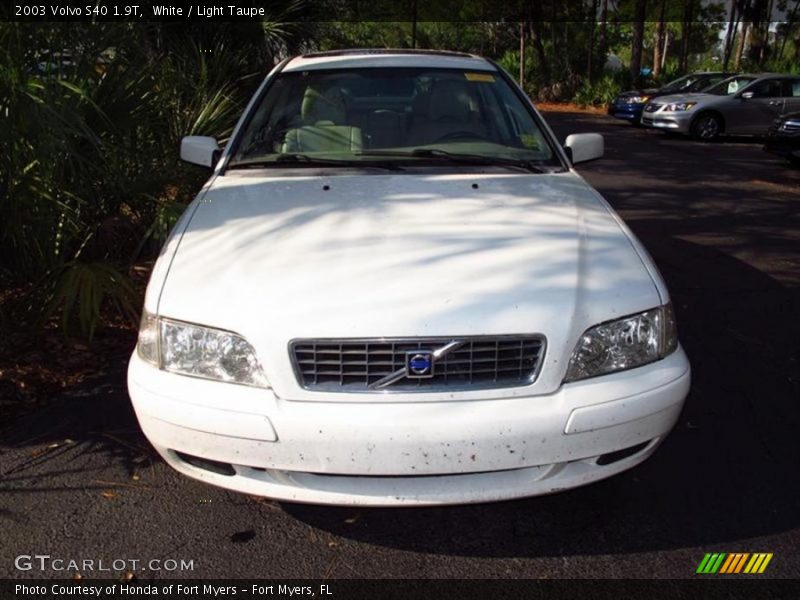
723 224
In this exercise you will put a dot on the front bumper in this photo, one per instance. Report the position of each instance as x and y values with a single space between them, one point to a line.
383 454
628 112
679 122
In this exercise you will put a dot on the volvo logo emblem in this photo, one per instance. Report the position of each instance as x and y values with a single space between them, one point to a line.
419 364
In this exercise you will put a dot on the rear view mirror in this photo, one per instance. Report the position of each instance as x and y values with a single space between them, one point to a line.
583 147
200 150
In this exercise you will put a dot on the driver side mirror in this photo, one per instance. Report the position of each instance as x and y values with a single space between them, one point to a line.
583 147
200 150
746 95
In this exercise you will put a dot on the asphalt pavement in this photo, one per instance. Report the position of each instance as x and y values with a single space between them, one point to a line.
722 220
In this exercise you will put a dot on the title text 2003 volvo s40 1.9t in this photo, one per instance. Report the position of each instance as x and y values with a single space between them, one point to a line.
395 290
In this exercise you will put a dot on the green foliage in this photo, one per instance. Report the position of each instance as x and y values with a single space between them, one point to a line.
79 291
599 93
90 122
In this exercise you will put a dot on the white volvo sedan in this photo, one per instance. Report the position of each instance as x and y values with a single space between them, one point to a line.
395 290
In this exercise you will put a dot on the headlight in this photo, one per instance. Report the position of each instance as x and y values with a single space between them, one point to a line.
791 125
679 106
199 351
623 344
638 99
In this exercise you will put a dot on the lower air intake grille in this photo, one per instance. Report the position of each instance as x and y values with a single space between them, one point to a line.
417 364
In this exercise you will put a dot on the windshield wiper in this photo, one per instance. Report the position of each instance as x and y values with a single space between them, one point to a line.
461 158
311 161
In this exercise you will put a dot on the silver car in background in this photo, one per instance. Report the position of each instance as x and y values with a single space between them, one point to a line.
739 105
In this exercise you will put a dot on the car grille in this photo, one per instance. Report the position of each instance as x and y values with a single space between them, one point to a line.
349 365
652 107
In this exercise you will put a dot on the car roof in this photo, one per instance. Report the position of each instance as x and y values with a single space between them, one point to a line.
372 58
771 75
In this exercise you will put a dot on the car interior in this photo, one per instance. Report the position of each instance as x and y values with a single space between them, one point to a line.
346 113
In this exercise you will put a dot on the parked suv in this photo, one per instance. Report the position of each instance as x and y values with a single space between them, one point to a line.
396 290
739 105
629 105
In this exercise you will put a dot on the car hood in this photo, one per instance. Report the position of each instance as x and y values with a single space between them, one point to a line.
279 258
629 93
697 97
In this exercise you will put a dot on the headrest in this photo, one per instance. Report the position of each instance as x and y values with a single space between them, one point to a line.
319 106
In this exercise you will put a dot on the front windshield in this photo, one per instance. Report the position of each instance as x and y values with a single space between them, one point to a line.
729 86
412 114
680 83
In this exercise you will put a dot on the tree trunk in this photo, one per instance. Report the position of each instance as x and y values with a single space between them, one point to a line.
604 32
686 32
730 36
789 25
522 54
737 62
592 24
765 46
638 41
657 47
538 46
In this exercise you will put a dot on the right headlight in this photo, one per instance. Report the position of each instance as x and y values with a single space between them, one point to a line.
679 106
198 351
624 343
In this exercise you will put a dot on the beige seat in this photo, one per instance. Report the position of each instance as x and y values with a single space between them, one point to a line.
324 115
449 111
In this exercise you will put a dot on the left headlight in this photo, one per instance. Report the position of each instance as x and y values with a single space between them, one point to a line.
623 344
199 351
679 106
638 99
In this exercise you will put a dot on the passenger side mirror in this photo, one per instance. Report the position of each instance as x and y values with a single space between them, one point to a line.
583 147
746 95
200 150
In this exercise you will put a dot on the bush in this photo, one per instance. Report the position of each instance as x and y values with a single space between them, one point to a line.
90 122
600 93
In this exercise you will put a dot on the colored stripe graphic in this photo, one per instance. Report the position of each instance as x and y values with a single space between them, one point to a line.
736 562
741 562
711 563
758 563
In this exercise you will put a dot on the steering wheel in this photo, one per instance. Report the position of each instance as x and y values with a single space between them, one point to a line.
457 135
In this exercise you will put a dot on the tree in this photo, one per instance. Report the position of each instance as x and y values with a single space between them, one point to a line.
730 35
686 31
637 42
788 25
592 19
660 46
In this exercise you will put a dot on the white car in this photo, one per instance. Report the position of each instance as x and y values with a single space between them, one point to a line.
395 290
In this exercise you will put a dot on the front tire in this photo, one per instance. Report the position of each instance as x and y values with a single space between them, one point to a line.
706 127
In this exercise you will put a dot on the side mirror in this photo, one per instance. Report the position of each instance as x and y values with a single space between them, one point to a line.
200 150
583 147
746 95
